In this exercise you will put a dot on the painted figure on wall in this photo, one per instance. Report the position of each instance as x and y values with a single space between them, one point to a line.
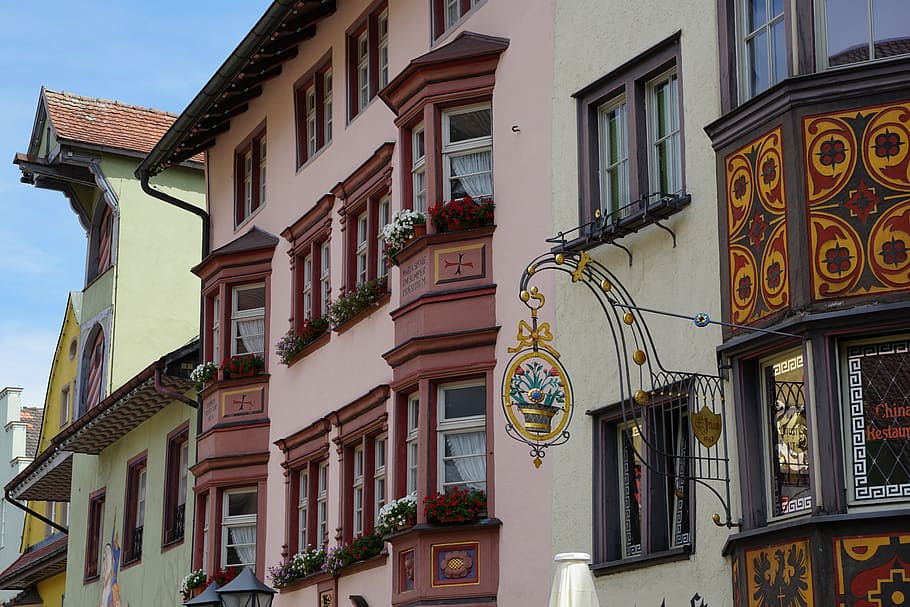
110 565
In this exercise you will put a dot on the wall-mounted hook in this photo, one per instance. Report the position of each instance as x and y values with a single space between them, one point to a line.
515 128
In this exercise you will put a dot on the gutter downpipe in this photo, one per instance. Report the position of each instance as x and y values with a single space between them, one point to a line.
35 514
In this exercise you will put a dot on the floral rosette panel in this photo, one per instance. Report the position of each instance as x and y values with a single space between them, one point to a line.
536 396
858 195
758 274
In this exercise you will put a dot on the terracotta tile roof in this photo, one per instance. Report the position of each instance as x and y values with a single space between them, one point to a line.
32 418
107 123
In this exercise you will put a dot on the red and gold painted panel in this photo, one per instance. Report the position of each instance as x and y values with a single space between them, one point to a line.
455 564
858 196
872 570
757 230
780 576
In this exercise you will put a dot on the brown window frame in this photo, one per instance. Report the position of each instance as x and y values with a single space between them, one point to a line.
132 529
174 517
315 80
93 538
253 145
367 23
629 81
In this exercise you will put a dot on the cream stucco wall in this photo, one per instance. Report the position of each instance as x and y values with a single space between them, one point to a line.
593 39
155 580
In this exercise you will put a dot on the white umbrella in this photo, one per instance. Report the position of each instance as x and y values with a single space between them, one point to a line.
573 584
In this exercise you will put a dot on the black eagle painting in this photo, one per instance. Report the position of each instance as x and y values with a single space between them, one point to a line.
782 580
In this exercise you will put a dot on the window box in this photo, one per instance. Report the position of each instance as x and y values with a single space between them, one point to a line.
462 214
350 307
296 344
245 365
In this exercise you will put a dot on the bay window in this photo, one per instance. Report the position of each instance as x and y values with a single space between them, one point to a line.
467 152
461 436
247 319
238 528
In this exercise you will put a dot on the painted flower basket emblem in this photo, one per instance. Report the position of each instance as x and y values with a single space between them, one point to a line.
539 393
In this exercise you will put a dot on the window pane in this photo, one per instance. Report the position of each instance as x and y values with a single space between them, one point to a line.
788 433
756 15
464 460
249 298
241 503
757 54
471 174
630 479
778 52
468 401
891 27
847 30
470 125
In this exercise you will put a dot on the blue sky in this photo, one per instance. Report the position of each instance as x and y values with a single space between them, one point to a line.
154 54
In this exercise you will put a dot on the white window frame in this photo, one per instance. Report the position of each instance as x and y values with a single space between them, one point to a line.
672 138
303 496
309 96
743 37
237 520
216 329
445 427
325 284
412 444
382 47
66 397
418 169
605 112
327 106
308 286
238 316
463 148
261 185
361 262
384 216
379 475
357 457
322 505
362 45
248 182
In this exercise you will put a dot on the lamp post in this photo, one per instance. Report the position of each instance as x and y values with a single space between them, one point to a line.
243 591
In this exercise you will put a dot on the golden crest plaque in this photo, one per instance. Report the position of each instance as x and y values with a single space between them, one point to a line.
706 425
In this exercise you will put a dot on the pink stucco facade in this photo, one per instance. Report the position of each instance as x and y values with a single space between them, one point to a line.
437 327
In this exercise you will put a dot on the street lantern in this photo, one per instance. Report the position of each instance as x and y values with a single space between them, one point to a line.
245 591
207 598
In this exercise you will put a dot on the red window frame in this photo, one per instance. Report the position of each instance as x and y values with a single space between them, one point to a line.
439 15
253 146
307 236
93 537
132 526
174 523
367 23
305 450
315 80
362 193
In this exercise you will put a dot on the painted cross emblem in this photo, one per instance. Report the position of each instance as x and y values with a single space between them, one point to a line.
458 265
242 402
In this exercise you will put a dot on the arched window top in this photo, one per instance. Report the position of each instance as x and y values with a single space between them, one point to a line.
94 367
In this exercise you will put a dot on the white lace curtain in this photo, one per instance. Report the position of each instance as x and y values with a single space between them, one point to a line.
243 540
250 334
468 452
475 173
